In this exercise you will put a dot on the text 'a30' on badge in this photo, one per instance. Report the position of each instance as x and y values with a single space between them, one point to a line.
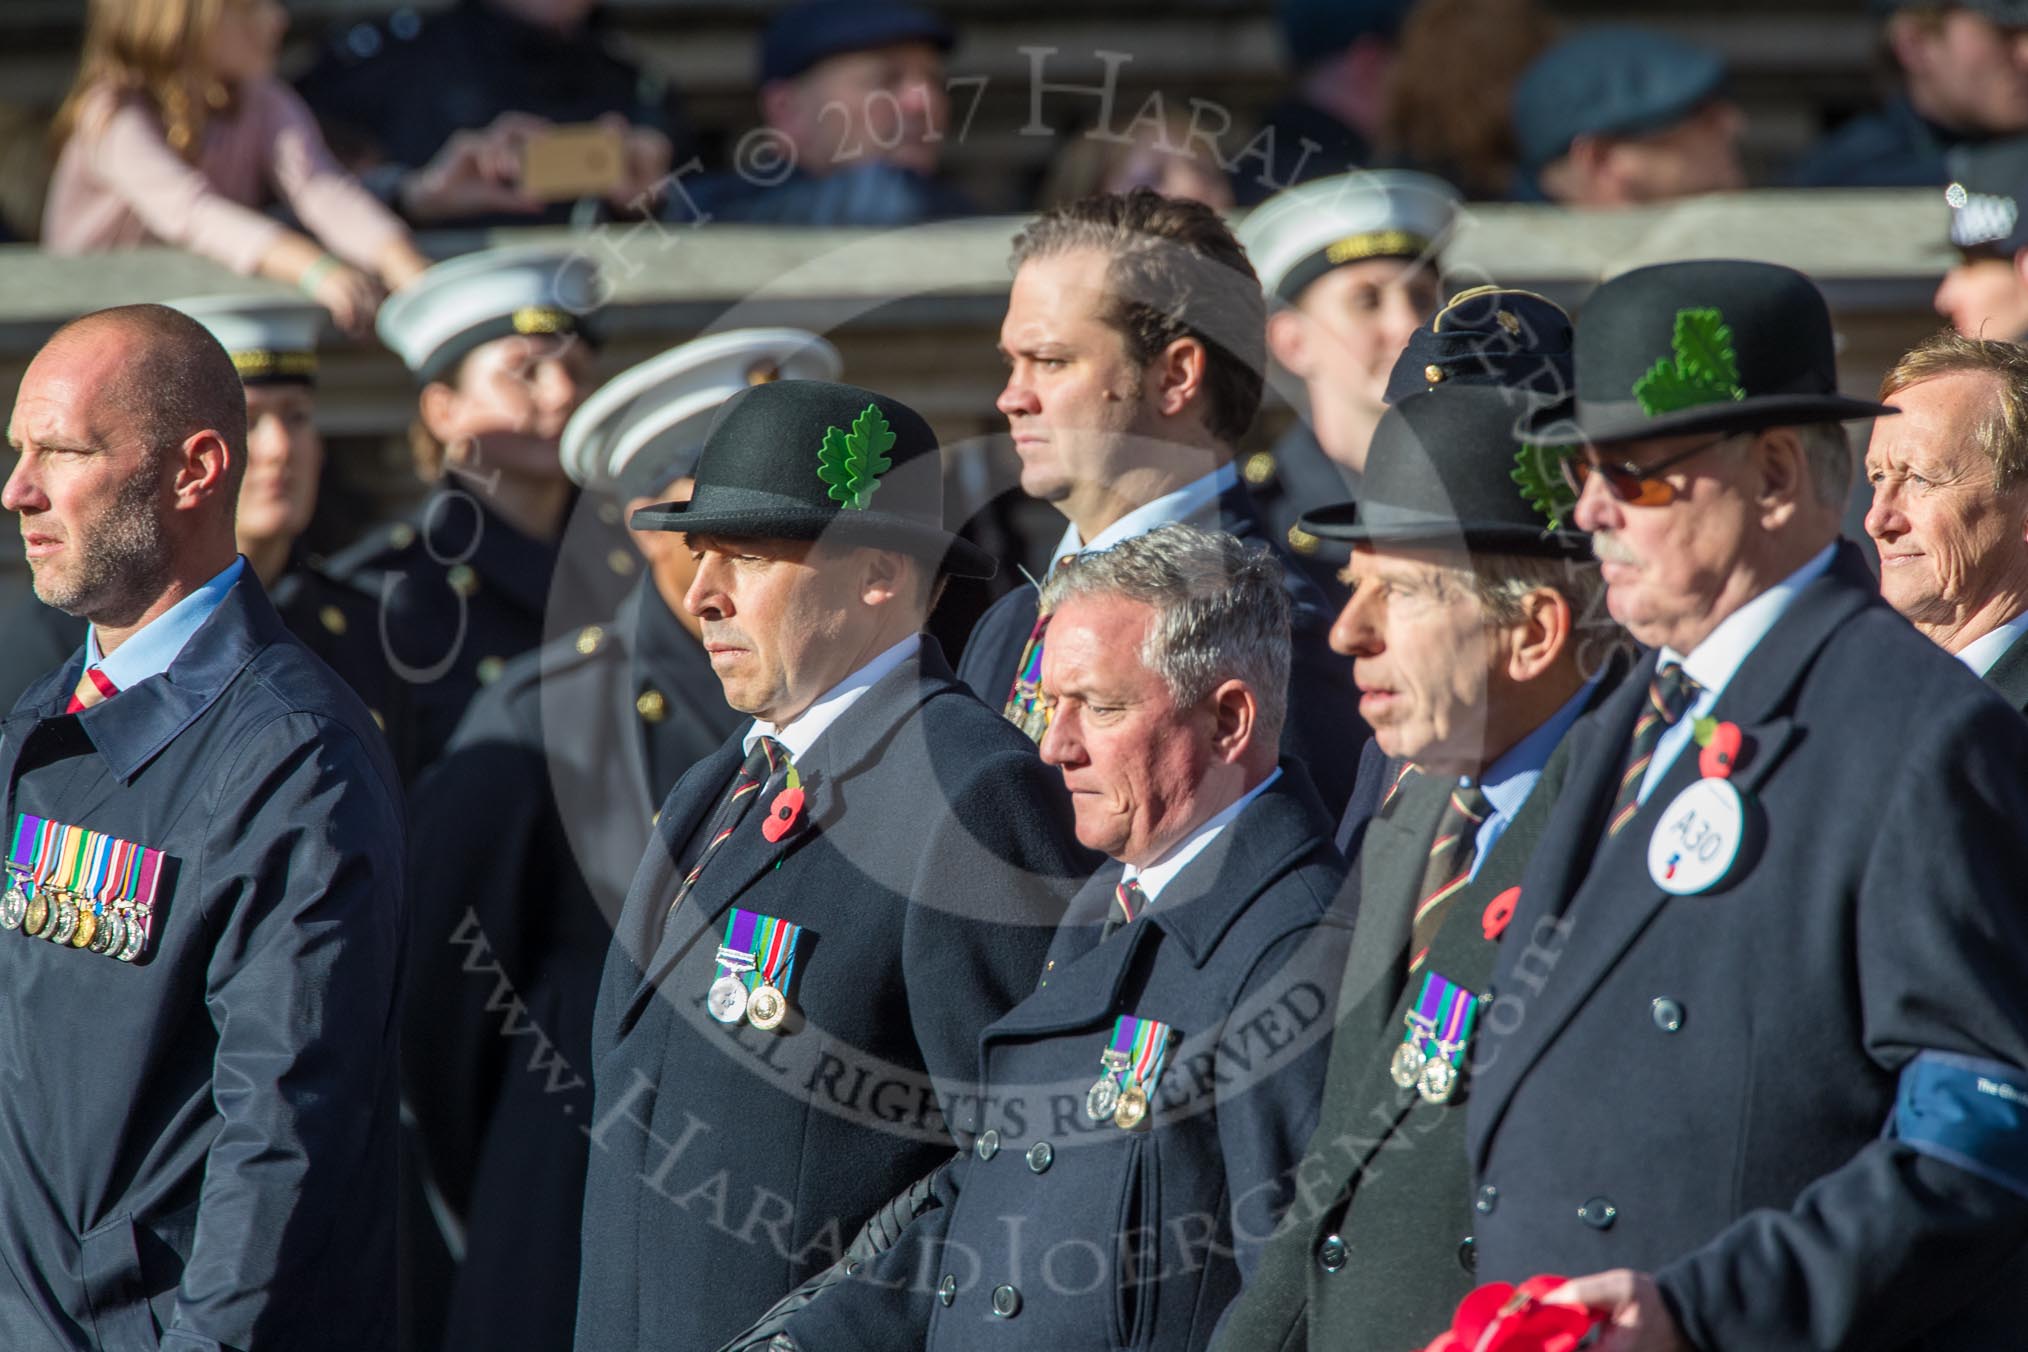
1698 842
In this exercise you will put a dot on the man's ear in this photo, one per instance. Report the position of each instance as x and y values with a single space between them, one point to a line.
1784 470
1542 637
1237 717
200 469
883 575
1175 379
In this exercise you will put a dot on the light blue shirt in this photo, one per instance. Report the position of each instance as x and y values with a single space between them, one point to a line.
1982 652
1186 502
1713 662
1158 875
150 649
1509 780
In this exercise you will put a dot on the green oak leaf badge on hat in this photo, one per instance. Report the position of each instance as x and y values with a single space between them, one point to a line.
1543 486
1704 371
852 462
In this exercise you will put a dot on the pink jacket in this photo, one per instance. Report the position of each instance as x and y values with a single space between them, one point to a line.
118 184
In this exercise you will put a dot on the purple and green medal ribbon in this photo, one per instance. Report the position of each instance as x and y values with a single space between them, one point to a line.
26 849
1441 1023
1139 1047
771 941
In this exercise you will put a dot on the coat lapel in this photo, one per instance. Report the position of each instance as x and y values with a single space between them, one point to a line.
1578 945
1389 868
2009 675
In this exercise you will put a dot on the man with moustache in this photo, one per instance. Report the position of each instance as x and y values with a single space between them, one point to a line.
834 904
1759 1083
1476 625
1950 502
204 908
1134 347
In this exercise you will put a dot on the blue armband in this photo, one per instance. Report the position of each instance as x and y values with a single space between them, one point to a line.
1966 1112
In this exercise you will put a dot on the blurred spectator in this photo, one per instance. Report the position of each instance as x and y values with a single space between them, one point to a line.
1985 293
1164 156
1619 116
1351 268
1448 93
173 132
856 116
1341 53
24 172
434 111
1964 75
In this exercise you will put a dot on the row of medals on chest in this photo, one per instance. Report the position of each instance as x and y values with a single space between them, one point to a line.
1434 1077
1126 1104
71 920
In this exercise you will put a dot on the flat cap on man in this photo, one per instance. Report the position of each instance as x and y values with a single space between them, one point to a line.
802 35
1609 82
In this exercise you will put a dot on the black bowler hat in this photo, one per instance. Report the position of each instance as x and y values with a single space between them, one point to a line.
1712 345
1456 466
802 35
1490 335
809 459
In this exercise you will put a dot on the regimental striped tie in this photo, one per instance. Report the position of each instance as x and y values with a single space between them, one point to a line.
1129 901
94 687
1449 867
763 762
1669 695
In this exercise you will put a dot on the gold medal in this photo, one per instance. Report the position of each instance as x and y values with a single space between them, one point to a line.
766 1008
727 999
36 918
87 928
1102 1099
1132 1109
1438 1080
1407 1064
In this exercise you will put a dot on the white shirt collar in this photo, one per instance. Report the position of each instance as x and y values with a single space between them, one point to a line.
151 649
802 732
1181 505
1158 874
1713 662
1982 652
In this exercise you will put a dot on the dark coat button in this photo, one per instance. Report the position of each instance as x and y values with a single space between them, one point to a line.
1006 1302
1599 1213
947 1289
1668 1014
1040 1156
1488 1198
1468 1254
988 1144
852 1266
1331 1254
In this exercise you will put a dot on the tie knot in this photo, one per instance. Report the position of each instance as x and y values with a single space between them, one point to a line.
1470 802
1672 691
1131 898
764 758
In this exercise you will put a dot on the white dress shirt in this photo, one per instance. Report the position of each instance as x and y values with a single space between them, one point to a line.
799 734
1157 875
1982 652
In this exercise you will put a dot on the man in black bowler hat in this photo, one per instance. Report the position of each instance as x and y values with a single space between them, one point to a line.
1754 1073
833 905
1476 624
1135 340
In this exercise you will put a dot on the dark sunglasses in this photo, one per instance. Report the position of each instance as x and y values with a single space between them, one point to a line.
1635 485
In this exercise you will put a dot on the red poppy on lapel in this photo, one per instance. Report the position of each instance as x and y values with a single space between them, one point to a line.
1498 1317
1721 751
783 814
1499 911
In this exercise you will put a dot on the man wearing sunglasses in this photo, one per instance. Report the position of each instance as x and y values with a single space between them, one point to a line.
1763 1073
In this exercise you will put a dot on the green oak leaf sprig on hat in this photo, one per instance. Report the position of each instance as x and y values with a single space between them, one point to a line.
1543 486
852 462
1704 370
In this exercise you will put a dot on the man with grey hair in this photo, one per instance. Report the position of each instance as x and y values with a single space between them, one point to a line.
1140 1112
1135 341
1950 502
